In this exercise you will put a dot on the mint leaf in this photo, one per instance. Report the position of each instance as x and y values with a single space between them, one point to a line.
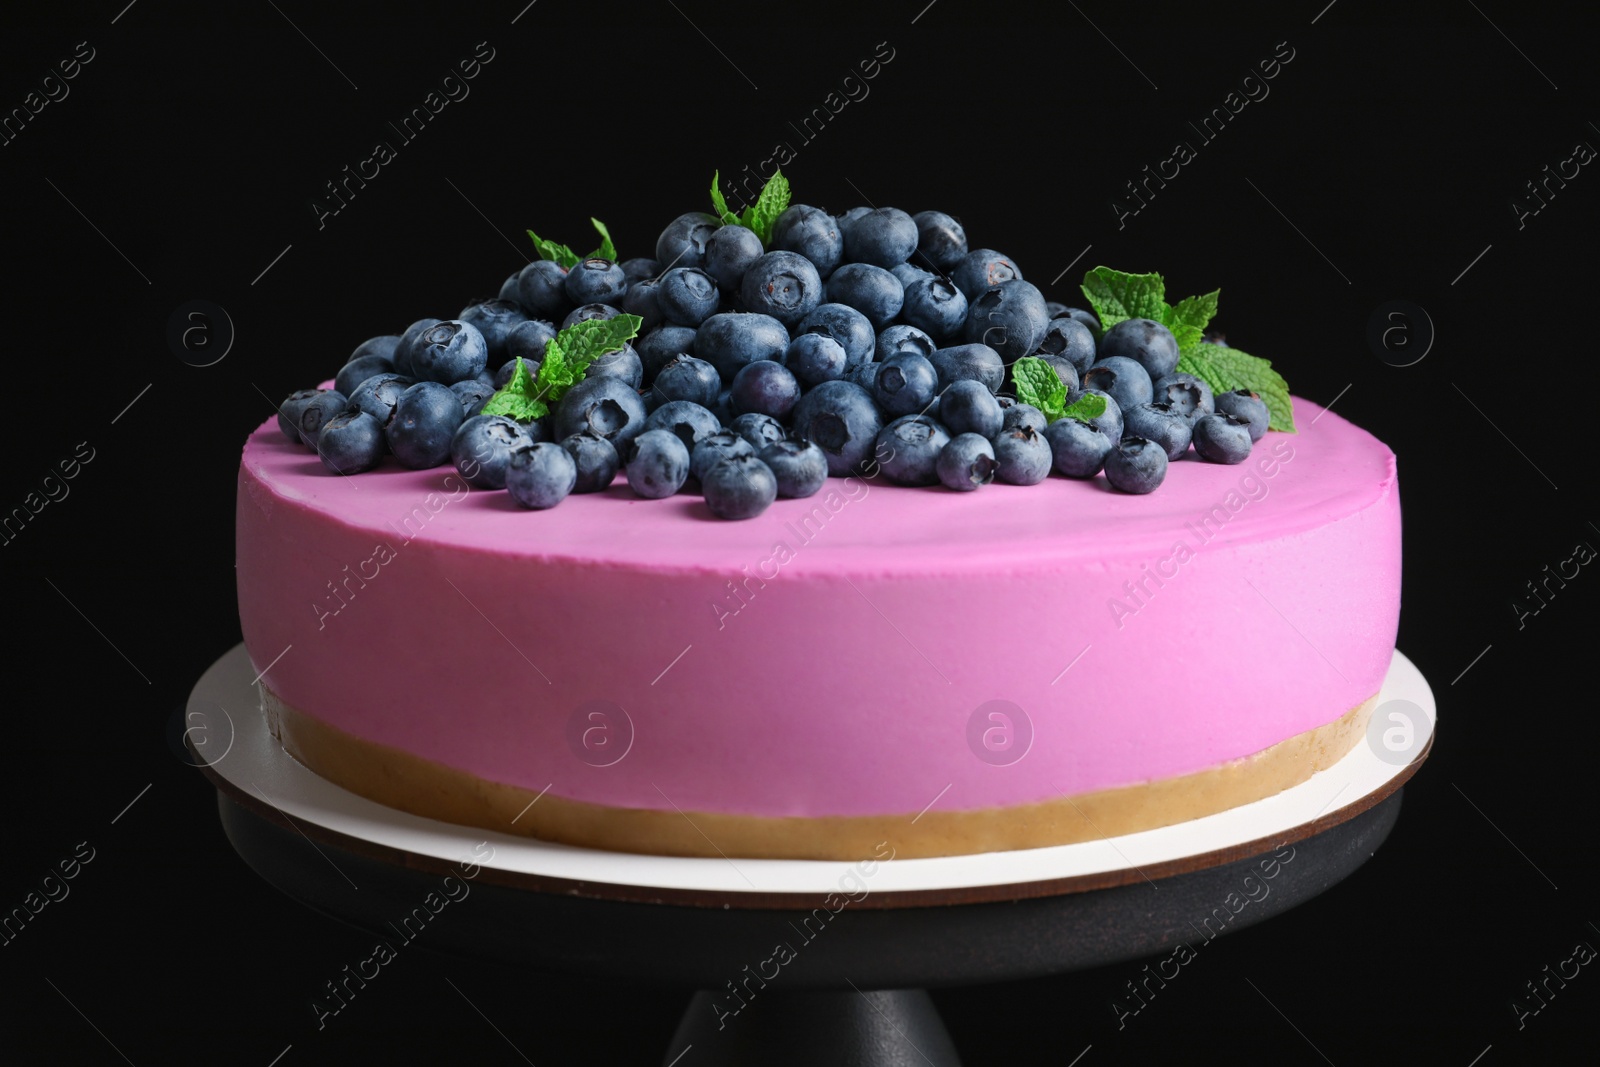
1038 384
719 203
585 342
570 352
1116 295
1226 369
550 250
1188 319
607 250
519 398
1086 407
772 202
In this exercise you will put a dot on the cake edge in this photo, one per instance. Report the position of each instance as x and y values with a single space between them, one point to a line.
420 786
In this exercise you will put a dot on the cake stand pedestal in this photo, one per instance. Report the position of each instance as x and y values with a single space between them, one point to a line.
850 989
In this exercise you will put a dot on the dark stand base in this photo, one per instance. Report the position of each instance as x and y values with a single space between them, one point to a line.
884 1028
852 994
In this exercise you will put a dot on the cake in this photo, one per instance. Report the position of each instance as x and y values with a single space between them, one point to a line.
803 684
948 672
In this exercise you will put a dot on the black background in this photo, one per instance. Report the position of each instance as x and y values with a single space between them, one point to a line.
185 160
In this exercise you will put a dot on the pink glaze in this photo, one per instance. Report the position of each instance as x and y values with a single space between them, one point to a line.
837 675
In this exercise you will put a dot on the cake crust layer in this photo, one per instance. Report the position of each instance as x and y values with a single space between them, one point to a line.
423 787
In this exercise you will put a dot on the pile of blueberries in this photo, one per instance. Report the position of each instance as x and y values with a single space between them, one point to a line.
872 342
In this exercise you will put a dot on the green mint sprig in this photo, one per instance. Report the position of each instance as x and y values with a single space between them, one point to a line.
565 256
567 357
1039 384
1226 369
1117 295
759 217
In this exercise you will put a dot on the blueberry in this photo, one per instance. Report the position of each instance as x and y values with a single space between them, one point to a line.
542 289
722 409
1085 317
622 363
905 384
716 447
978 362
760 430
1161 424
596 281
799 466
360 368
1010 318
730 252
846 219
883 237
289 412
1146 342
907 273
982 269
495 319
739 487
528 340
639 268
966 463
606 406
426 418
864 374
812 233
586 312
766 387
845 325
641 299
687 378
936 307
408 340
1123 379
1077 448
869 289
842 420
1022 456
1246 406
449 352
1018 414
473 395
902 338
941 242
378 395
691 423
351 442
687 296
732 339
540 475
661 346
482 447
596 460
1222 438
318 410
1187 394
908 450
511 288
1135 465
657 463
1109 421
968 407
814 358
683 242
784 285
1071 340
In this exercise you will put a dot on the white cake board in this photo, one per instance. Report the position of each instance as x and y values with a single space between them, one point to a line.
228 731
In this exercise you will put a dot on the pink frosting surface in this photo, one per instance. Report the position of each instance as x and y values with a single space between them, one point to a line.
829 657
